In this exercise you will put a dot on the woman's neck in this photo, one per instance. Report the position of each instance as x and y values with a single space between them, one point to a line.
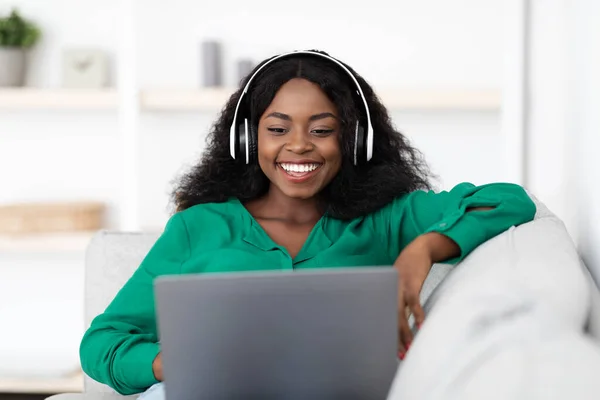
276 205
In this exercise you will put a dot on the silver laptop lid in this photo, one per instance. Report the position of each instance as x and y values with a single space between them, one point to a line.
306 334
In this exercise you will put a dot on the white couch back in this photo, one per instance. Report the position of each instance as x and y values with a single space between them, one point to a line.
111 258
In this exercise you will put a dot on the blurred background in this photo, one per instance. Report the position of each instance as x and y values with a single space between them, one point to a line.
104 103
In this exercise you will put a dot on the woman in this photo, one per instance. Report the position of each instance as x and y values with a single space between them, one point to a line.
305 172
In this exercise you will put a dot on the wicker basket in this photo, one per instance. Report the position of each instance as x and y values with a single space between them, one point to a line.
51 217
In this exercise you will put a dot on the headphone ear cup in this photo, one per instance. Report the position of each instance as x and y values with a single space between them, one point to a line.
360 145
253 144
240 144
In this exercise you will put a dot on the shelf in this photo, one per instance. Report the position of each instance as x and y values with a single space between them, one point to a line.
214 99
413 99
58 99
184 100
45 243
72 384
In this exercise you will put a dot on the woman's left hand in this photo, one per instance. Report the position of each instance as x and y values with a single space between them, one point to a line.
413 264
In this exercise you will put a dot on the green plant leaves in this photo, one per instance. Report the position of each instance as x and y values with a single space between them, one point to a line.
18 32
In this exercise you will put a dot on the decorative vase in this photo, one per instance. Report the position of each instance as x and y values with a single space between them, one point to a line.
244 67
13 64
211 62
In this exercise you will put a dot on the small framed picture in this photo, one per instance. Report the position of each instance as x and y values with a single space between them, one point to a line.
85 68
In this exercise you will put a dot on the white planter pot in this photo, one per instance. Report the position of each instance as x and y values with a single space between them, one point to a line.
12 66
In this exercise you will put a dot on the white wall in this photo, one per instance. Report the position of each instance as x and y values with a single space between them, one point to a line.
431 43
564 99
550 147
46 156
584 125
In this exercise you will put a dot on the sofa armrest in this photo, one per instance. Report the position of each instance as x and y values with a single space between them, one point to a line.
538 258
593 324
502 314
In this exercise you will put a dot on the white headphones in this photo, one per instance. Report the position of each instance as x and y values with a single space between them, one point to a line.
242 135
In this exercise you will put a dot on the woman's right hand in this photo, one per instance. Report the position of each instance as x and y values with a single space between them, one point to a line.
157 368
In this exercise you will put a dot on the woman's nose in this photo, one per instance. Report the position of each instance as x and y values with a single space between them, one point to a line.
299 141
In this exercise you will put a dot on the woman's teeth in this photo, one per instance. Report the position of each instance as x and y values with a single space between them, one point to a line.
288 167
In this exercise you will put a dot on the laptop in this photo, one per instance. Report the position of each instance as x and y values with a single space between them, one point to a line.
303 334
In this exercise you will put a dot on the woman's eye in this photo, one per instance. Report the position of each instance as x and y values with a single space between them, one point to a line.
278 131
322 132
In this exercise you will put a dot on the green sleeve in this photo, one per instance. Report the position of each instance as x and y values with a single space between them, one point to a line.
120 345
445 212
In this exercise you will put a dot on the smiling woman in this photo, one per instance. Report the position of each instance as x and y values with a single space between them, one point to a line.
303 170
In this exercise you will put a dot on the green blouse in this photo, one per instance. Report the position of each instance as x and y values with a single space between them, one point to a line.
121 343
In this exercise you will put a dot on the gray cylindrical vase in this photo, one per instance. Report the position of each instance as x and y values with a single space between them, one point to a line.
212 65
244 67
12 66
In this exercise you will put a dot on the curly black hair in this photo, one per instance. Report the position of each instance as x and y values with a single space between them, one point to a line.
396 168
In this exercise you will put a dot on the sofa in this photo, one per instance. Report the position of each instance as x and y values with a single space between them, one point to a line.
519 318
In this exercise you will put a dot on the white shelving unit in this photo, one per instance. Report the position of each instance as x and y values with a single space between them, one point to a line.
184 100
439 100
396 99
45 243
212 99
58 99
69 384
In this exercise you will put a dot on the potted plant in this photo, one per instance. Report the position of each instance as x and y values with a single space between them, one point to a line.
16 36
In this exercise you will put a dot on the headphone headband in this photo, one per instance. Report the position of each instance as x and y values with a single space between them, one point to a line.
359 91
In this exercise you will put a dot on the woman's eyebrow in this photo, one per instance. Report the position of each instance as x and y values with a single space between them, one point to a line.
280 116
315 117
321 116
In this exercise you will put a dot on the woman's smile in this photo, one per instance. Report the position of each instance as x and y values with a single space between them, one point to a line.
299 172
